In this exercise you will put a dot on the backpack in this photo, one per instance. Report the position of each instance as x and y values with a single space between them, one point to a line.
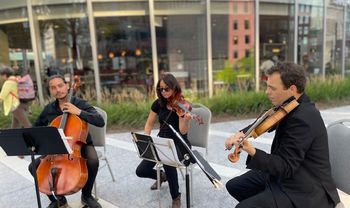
26 90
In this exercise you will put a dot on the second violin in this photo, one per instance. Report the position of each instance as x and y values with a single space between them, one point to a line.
264 123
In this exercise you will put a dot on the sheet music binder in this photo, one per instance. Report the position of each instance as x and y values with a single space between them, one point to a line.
145 146
46 140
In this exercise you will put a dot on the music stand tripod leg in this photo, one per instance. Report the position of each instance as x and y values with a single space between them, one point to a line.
158 167
32 153
188 192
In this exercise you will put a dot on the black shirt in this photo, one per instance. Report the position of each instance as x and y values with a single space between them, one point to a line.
164 114
88 114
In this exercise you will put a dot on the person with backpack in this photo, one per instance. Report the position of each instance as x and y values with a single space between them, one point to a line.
9 95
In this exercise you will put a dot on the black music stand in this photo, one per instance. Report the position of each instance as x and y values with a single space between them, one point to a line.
194 156
33 141
162 151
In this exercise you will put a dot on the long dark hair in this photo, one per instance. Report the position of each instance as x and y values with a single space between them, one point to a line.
172 83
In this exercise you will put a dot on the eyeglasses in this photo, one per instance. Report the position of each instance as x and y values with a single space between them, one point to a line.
166 89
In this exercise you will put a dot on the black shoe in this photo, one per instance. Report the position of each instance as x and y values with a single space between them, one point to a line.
61 203
90 202
162 179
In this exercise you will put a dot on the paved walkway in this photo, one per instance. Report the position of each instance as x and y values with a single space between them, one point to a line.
17 188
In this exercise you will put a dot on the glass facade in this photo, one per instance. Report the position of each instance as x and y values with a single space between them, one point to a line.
64 41
233 36
123 45
182 42
310 36
334 38
118 45
15 43
276 30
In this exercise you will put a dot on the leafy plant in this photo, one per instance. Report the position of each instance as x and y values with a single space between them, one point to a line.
243 68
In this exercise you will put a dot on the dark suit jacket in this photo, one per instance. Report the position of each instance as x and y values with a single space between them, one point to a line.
299 160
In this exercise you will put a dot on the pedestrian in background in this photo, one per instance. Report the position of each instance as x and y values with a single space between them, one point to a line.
10 99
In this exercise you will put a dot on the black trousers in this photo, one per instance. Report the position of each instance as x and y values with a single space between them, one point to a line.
89 153
254 189
145 170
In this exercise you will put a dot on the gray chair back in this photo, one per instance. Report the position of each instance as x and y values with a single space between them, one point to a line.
339 154
98 134
198 134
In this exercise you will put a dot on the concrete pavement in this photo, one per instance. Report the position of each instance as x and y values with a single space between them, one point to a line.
17 187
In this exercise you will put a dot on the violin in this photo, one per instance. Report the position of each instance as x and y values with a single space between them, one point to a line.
264 123
67 173
181 107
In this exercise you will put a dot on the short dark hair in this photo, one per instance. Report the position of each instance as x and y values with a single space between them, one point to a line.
56 76
171 82
291 74
7 71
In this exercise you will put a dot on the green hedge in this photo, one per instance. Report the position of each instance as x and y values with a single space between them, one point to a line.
133 115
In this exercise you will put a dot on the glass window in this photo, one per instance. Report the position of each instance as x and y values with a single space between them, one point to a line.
334 39
310 36
235 40
15 41
235 54
247 53
226 51
182 42
235 25
65 41
277 31
124 46
246 7
246 24
247 39
235 7
347 44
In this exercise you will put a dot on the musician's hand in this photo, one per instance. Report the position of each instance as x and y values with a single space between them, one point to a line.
233 140
72 109
248 147
187 116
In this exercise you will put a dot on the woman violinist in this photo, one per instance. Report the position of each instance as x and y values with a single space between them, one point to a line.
165 108
296 173
59 90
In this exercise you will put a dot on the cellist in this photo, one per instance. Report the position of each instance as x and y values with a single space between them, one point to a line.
296 173
59 90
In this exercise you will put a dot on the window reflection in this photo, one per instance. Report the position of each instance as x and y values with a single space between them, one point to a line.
232 47
334 39
15 43
310 32
65 41
182 42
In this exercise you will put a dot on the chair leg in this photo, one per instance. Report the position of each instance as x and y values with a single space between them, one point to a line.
110 170
95 190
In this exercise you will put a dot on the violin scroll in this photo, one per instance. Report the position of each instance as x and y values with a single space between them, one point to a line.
234 156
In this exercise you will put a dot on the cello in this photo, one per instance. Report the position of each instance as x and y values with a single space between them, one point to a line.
65 173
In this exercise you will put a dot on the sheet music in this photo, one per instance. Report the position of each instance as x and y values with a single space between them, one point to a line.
166 151
64 139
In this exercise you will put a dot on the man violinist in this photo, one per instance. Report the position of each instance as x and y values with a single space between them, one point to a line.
297 172
59 89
